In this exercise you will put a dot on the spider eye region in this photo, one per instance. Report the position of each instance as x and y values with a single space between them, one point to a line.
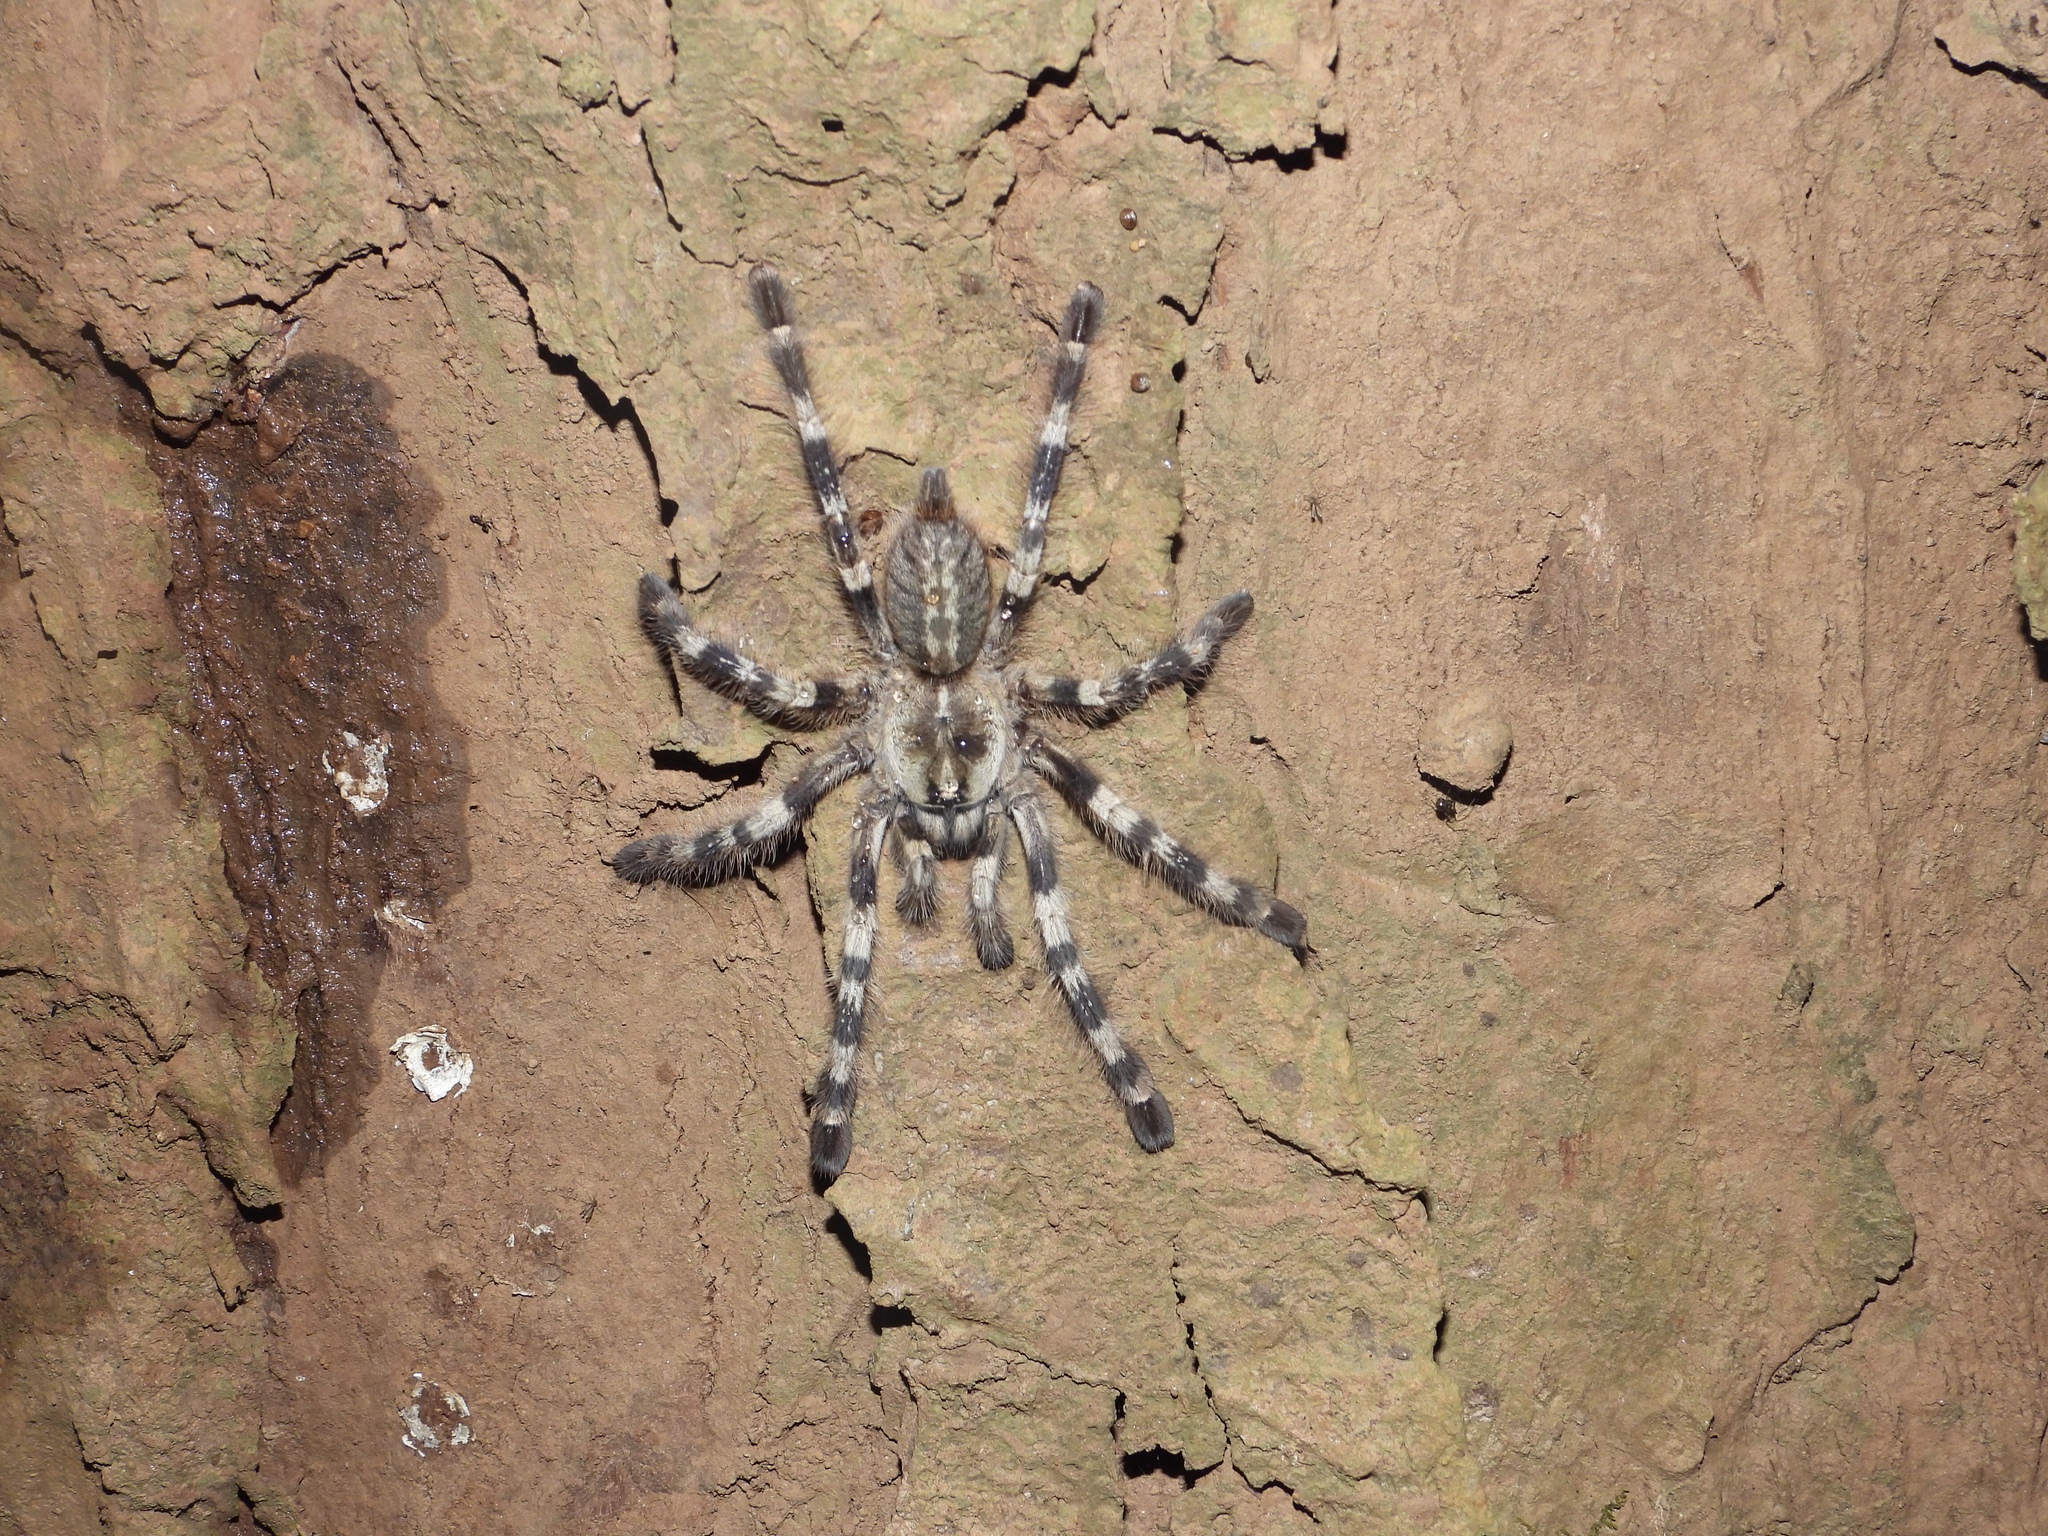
936 594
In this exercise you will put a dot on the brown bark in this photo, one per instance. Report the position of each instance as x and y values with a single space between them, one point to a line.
1653 386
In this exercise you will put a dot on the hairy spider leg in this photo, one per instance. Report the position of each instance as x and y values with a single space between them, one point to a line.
1145 1108
715 856
772 308
805 704
1138 838
1084 316
1187 659
917 898
832 1116
991 935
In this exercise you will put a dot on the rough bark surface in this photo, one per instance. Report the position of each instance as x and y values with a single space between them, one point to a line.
1654 382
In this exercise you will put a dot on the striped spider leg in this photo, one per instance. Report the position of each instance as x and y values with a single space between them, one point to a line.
804 704
1084 318
721 853
1186 660
832 1107
770 298
917 872
1139 839
985 924
1123 1069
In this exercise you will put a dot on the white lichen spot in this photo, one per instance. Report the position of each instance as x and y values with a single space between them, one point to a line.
1600 549
394 913
436 1068
364 773
436 1419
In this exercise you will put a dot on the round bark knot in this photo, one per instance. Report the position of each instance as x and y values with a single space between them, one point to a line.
1466 746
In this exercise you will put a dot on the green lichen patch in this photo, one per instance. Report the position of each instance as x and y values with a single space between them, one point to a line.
2030 553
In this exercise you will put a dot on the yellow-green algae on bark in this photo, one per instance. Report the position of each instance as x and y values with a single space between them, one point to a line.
2030 553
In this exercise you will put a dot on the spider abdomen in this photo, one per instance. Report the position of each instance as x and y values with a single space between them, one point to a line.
935 587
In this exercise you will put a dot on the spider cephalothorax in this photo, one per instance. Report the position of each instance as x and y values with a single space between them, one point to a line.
941 728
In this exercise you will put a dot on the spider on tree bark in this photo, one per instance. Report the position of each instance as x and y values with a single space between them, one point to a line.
941 730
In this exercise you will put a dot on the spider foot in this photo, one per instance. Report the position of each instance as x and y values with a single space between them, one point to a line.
1284 925
917 901
992 943
832 1145
1151 1122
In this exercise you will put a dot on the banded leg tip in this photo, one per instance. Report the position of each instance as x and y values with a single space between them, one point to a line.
660 610
1231 614
1084 314
996 951
831 1146
1285 927
641 862
769 296
1151 1122
917 905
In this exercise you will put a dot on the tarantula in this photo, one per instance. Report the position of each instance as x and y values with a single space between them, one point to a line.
942 729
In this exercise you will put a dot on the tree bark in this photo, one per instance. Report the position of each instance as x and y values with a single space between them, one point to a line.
1651 1138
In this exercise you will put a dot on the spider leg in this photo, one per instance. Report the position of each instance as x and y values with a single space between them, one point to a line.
832 1114
772 308
714 856
1139 838
1187 659
1084 314
992 945
917 898
806 704
1150 1120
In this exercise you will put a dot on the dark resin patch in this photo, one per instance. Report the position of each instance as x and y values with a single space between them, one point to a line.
304 583
52 1273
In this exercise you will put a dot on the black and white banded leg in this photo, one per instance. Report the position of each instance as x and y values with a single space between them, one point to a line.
1150 1120
832 1113
772 308
715 856
805 704
1140 839
1084 315
917 897
1188 659
985 924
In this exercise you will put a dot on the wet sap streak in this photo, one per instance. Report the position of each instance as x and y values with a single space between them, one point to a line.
304 583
